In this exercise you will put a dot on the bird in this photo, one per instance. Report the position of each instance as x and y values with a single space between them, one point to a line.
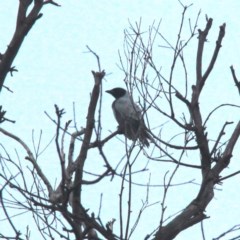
129 116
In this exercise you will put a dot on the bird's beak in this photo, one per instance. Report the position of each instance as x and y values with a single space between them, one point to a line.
108 91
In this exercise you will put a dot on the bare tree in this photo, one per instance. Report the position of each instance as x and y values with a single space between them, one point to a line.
61 211
158 91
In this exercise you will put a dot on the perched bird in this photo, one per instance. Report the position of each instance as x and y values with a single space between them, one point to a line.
129 116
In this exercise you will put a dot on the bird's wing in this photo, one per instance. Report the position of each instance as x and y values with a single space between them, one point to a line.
126 109
128 115
129 118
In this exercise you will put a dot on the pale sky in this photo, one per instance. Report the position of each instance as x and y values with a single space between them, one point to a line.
55 68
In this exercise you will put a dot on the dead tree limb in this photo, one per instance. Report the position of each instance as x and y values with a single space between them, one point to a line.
25 21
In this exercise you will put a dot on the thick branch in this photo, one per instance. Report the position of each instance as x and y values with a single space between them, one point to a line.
23 26
201 40
215 54
201 136
98 76
192 214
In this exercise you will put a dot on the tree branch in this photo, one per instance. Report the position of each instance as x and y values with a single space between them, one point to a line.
235 78
227 154
98 76
201 41
23 26
31 158
215 54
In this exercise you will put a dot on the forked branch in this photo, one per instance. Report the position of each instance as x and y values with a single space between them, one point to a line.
25 21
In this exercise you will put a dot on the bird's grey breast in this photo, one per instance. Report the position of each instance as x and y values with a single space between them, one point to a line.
126 108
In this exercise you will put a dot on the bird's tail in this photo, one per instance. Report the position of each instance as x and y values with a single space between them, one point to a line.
144 136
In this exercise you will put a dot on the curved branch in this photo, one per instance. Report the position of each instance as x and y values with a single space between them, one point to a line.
31 158
216 108
175 146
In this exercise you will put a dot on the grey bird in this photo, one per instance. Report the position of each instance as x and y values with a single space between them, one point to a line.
129 116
